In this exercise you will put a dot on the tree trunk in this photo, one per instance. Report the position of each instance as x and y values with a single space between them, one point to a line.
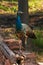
23 6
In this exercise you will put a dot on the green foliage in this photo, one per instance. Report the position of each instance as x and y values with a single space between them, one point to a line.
35 5
13 9
39 41
4 8
10 0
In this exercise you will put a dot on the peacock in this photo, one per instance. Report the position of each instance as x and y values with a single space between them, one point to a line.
23 29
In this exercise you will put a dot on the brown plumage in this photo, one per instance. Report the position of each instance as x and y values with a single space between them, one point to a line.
28 31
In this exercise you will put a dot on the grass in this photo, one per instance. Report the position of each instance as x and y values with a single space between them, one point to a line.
39 41
38 49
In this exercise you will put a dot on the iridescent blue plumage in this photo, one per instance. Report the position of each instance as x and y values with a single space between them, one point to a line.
18 24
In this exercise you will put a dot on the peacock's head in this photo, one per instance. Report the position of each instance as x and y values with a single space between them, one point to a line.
19 12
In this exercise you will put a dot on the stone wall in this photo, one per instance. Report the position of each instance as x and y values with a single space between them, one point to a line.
7 20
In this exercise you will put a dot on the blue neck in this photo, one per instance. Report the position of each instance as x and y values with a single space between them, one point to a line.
18 23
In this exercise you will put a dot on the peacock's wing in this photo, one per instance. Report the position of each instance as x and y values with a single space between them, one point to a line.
28 31
26 28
